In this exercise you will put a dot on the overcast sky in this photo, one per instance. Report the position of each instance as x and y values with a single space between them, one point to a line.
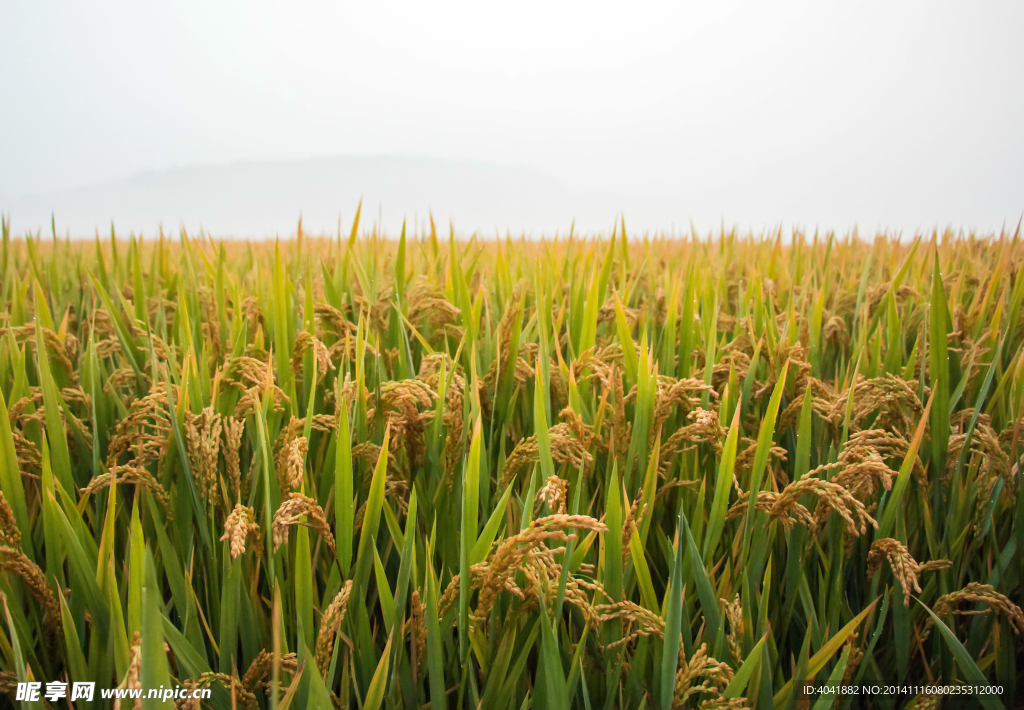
898 114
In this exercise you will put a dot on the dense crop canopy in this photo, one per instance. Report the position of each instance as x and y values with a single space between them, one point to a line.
594 473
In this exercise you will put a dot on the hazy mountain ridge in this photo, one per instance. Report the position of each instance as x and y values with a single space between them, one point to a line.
254 199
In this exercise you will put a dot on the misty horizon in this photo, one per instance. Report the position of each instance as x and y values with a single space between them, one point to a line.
901 117
261 199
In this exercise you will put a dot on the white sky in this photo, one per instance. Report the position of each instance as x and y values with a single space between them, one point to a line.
898 114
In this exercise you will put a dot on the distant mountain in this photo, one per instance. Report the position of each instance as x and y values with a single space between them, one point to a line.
256 199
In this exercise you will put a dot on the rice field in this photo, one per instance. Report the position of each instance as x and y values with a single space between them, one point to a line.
612 472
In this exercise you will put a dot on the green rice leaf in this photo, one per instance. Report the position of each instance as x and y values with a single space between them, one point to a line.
705 589
643 574
972 674
54 406
10 480
371 520
819 659
136 573
344 506
938 370
613 548
551 691
892 504
825 700
470 498
764 443
673 616
154 670
435 653
723 486
490 530
742 677
78 669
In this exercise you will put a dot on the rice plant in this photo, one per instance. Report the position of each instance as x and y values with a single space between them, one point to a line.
609 472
